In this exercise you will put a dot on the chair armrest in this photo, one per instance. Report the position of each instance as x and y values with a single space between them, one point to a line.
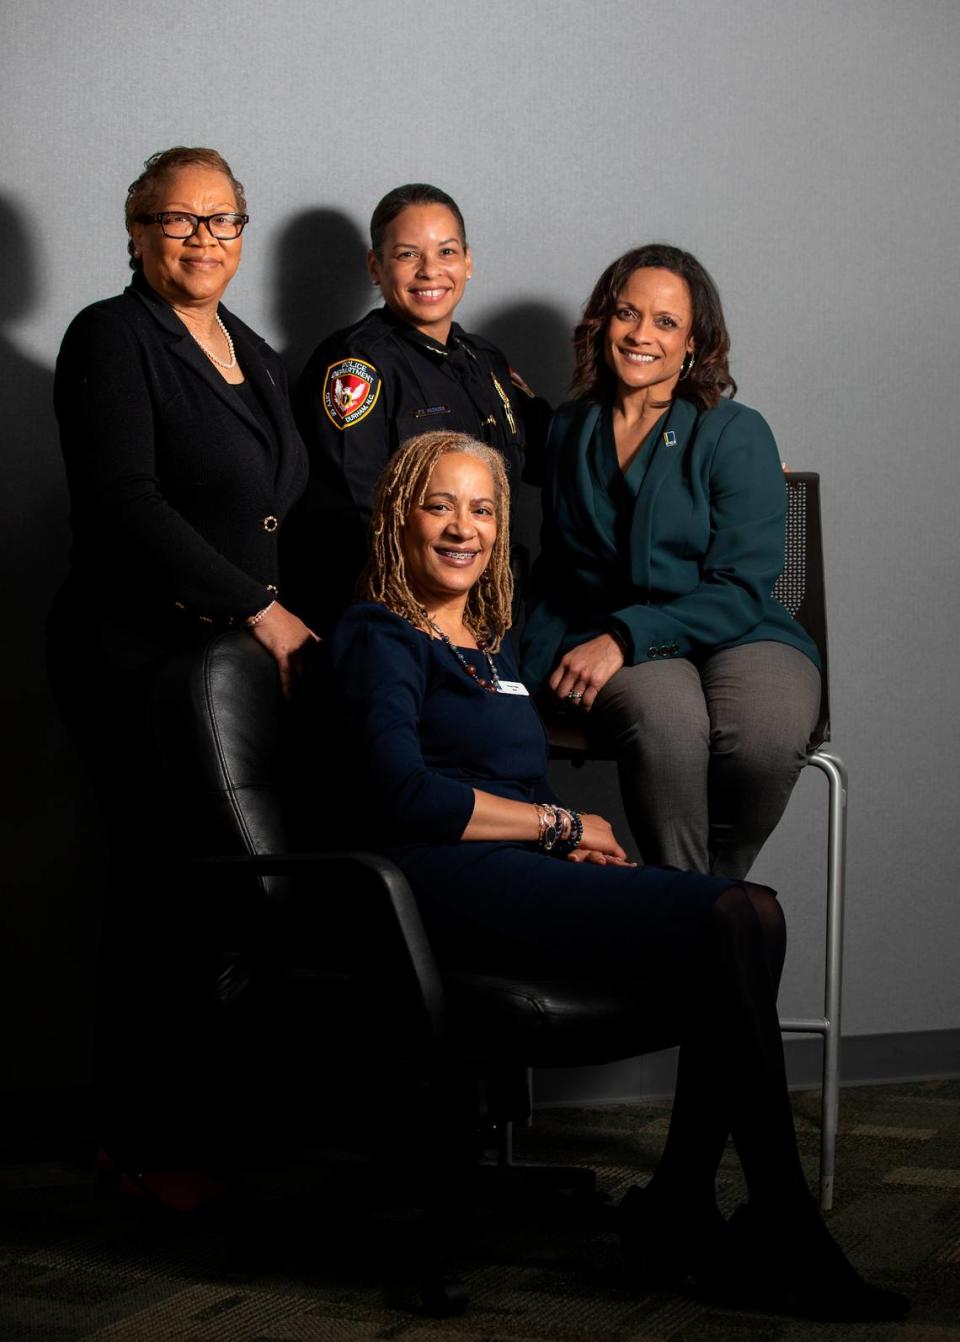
384 893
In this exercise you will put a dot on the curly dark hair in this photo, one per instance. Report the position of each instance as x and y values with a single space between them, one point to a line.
399 199
708 380
144 192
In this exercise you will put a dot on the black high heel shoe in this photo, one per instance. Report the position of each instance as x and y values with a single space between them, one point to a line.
809 1268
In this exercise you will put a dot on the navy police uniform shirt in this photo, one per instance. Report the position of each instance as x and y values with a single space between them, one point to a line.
363 392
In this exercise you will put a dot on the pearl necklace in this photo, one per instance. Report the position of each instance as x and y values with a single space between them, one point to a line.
228 364
493 684
220 363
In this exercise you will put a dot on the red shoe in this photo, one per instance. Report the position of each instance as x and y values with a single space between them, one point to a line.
179 1191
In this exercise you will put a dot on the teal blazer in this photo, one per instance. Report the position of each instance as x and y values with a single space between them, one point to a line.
706 543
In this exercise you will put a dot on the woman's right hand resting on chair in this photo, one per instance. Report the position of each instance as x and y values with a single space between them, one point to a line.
288 640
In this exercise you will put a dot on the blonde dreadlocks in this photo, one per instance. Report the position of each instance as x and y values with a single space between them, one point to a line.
402 487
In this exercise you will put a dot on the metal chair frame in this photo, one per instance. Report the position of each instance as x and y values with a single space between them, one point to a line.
800 588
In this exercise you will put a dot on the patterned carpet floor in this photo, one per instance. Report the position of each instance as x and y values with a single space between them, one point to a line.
73 1269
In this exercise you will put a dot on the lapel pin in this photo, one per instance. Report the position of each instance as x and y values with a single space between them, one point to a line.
670 438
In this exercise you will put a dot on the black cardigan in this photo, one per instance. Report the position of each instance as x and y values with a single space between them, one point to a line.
176 489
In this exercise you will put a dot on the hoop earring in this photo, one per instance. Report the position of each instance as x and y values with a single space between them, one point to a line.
687 365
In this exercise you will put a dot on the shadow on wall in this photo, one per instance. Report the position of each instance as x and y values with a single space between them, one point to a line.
321 282
535 337
52 851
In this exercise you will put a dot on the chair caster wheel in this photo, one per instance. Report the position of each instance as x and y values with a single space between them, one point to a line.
443 1298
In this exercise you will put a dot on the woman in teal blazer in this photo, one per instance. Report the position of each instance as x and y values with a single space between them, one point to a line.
663 535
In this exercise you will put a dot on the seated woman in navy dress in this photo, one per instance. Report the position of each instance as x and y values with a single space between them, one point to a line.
450 758
663 534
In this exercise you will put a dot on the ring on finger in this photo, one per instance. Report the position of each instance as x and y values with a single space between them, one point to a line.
575 696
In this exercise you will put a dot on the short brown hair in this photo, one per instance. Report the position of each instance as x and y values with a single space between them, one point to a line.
402 486
708 380
142 194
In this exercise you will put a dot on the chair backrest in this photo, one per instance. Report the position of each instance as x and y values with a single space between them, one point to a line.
800 586
217 715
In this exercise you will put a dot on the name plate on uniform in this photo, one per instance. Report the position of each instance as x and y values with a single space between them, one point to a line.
513 687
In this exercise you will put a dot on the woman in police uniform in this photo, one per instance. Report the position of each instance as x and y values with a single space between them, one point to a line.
404 369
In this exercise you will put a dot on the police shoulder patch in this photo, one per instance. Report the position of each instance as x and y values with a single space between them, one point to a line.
351 388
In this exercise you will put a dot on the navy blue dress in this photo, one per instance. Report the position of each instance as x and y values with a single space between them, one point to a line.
420 734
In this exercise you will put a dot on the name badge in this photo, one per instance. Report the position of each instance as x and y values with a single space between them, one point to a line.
431 410
513 687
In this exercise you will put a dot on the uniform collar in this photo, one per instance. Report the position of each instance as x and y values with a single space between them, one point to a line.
456 337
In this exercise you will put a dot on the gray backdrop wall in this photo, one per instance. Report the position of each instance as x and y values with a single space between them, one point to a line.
806 150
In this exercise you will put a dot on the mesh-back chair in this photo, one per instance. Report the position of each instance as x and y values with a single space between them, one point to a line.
801 589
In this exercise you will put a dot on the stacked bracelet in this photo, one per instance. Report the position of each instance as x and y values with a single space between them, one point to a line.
571 839
559 831
255 619
547 826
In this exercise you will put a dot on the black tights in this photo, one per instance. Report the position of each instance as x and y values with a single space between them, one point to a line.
732 1081
731 1078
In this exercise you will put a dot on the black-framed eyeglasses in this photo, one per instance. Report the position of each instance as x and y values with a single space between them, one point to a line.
178 224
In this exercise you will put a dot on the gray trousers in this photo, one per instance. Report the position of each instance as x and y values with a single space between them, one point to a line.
708 753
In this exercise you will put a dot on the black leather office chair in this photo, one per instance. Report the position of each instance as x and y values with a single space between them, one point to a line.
801 589
327 951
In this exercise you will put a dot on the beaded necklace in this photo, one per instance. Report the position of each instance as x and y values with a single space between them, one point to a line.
229 363
493 684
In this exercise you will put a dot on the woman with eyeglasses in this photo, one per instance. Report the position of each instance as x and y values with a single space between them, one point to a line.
182 460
